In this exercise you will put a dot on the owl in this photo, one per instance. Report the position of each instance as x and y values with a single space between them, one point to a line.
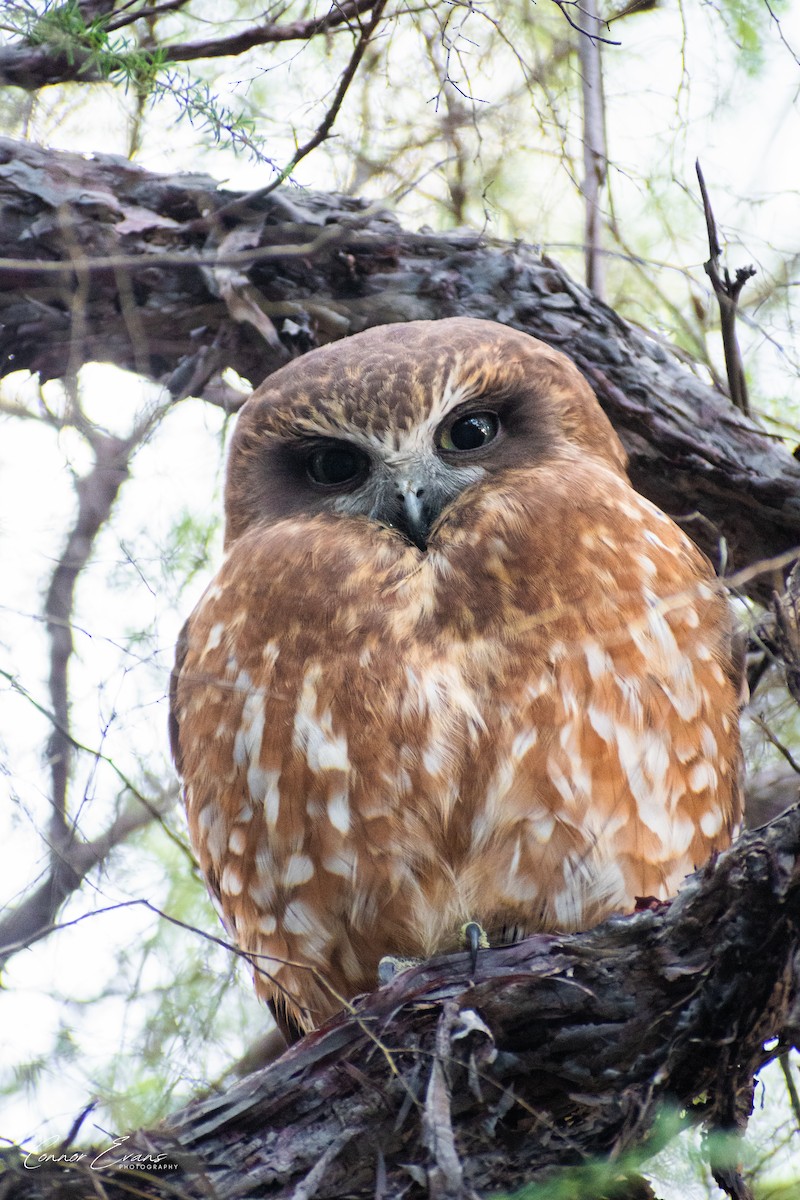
452 669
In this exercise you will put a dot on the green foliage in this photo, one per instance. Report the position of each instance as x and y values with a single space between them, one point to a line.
746 22
188 550
203 109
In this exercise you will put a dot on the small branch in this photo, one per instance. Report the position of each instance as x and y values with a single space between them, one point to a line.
145 12
103 262
791 1087
776 639
270 33
727 291
595 153
565 5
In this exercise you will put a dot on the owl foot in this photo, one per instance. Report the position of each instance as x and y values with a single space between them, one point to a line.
390 967
474 938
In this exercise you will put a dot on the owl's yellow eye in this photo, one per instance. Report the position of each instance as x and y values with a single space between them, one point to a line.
337 465
470 432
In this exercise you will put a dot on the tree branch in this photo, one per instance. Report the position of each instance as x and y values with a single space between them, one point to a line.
321 267
561 1050
70 858
96 492
32 66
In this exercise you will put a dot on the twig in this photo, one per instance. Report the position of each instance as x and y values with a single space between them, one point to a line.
563 5
727 291
323 129
34 916
143 13
779 746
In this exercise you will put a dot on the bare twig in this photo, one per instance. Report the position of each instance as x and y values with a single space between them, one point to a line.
144 12
791 1086
727 291
326 237
326 124
781 34
565 5
777 743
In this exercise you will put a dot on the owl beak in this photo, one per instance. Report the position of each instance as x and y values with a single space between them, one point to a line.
412 517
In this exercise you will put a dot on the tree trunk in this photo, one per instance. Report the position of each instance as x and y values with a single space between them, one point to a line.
176 279
559 1051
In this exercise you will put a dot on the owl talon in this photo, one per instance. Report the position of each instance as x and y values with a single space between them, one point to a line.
474 938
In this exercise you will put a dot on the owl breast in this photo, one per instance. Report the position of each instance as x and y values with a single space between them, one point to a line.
529 725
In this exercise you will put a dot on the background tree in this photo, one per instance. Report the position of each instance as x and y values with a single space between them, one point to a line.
455 115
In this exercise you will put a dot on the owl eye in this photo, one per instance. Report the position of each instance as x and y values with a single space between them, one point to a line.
336 465
470 432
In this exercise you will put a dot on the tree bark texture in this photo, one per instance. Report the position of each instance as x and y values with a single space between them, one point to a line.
559 1050
177 279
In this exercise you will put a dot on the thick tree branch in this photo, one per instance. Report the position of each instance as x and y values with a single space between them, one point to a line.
321 267
96 493
560 1050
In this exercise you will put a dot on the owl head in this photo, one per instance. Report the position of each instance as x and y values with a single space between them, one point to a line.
393 424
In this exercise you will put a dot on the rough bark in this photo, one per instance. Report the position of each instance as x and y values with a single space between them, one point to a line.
194 279
558 1051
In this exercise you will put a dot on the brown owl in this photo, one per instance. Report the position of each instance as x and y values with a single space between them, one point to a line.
452 668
